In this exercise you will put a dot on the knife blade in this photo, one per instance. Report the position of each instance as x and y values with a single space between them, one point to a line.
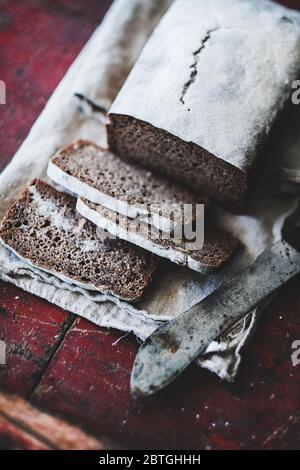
174 345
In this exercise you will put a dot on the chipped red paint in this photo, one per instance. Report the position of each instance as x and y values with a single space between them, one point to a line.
32 329
39 40
87 380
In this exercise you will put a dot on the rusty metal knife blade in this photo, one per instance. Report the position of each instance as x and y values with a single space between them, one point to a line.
174 345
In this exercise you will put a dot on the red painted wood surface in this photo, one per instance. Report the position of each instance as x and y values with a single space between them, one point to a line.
32 330
13 437
199 410
83 376
30 428
39 40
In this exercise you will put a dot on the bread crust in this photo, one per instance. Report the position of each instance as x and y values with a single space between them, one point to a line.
44 229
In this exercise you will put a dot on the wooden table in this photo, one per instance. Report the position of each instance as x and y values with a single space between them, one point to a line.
77 371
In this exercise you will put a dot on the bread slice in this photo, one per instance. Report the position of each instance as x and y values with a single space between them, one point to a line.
44 229
102 178
200 111
218 248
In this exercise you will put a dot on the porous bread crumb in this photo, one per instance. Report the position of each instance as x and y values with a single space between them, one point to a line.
218 247
42 228
129 189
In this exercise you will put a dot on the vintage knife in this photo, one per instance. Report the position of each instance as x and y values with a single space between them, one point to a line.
174 345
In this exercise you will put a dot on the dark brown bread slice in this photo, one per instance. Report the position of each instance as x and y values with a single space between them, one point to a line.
131 190
217 250
202 111
44 229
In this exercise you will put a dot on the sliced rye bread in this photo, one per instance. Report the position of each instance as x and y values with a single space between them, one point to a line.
201 113
218 248
102 178
44 229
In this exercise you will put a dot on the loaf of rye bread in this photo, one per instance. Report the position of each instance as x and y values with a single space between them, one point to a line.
99 176
217 249
205 92
44 229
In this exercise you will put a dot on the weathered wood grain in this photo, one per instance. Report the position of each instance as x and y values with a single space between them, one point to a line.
38 42
88 381
29 428
31 329
13 437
